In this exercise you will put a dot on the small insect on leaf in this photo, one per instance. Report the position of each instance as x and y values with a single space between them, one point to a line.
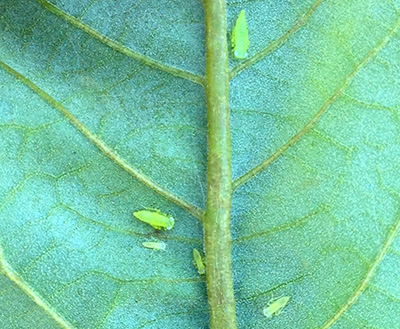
240 37
198 260
274 308
154 245
156 219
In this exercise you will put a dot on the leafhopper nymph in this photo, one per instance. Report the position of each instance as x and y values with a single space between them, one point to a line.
274 308
157 219
240 37
154 245
198 260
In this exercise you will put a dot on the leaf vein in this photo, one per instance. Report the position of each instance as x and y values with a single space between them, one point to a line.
299 222
120 48
110 228
272 290
276 44
310 124
370 273
111 308
38 300
385 293
105 149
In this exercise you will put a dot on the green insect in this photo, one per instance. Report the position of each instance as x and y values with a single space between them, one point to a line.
156 218
154 245
274 308
240 37
198 260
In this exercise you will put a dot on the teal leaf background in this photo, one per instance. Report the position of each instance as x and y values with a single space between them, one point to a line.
319 223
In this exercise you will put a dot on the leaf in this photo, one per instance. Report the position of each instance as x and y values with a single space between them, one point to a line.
94 95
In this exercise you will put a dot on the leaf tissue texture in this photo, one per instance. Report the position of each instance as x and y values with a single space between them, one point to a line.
94 94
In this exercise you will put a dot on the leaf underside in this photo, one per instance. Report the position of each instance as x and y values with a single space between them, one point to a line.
314 113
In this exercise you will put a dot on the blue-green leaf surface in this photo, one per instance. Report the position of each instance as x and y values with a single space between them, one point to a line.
91 91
